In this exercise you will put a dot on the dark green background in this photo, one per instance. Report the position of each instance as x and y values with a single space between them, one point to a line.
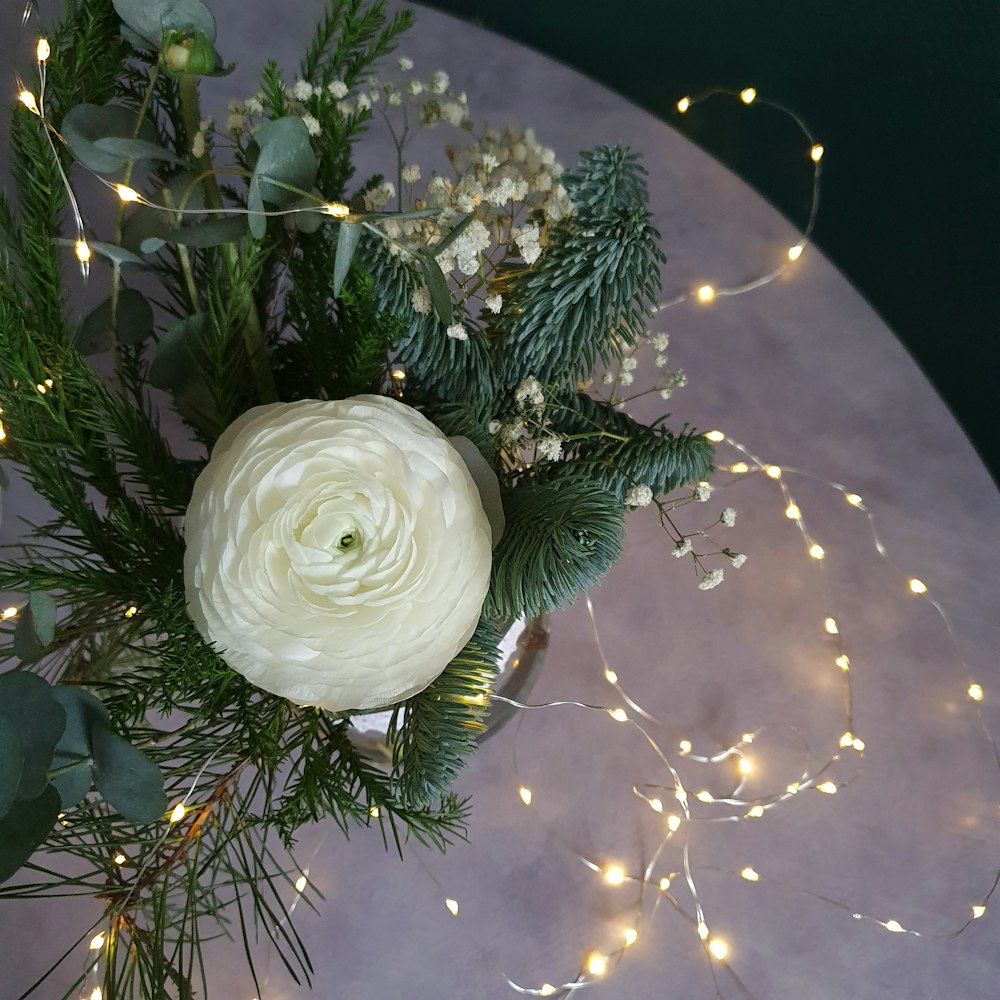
903 95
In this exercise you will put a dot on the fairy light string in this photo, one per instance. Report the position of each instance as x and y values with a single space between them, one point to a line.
673 799
683 819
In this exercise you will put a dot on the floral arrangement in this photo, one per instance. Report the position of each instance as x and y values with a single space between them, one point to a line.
398 450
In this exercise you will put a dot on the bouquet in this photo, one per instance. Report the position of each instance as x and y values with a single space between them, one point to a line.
404 430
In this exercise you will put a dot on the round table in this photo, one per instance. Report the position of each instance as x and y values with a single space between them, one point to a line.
806 376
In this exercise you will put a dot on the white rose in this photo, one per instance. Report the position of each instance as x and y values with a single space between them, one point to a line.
337 553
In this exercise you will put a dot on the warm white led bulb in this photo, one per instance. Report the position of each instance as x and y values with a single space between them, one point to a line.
745 766
683 104
126 193
918 586
817 551
673 823
978 910
337 210
853 499
827 787
756 812
525 794
82 251
795 252
618 714
718 949
706 293
27 98
452 905
792 512
97 942
750 874
705 796
43 50
816 153
610 676
119 858
300 883
656 805
842 661
684 746
614 875
715 436
774 471
631 936
597 964
847 739
739 468
830 624
664 884
177 813
895 926
976 692
702 930
748 95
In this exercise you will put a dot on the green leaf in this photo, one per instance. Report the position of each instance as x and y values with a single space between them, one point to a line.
255 205
172 365
152 19
347 244
486 482
437 286
24 828
11 763
450 238
126 778
87 124
135 323
209 234
27 704
36 627
286 155
137 149
116 254
83 713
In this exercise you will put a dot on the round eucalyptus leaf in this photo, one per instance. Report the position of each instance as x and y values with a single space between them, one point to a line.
96 334
286 155
137 149
71 785
172 365
126 778
209 234
36 627
135 323
86 124
27 704
24 828
152 19
11 762
83 713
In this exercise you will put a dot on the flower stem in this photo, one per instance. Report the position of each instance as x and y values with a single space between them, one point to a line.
253 333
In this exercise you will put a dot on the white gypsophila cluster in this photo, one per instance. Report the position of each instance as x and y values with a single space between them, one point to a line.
550 447
728 517
198 142
703 492
421 301
638 496
711 579
737 559
457 331
682 548
529 394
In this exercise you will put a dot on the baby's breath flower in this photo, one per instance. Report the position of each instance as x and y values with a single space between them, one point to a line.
410 173
682 548
378 196
302 90
626 378
702 492
666 393
404 63
440 82
338 89
364 102
639 496
198 145
661 361
312 125
493 426
661 341
608 379
550 447
254 106
629 364
737 559
235 124
395 98
529 391
414 87
728 517
493 302
454 113
457 332
421 300
711 579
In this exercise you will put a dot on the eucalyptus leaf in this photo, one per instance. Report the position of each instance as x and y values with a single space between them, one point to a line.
152 19
36 627
135 323
347 244
83 713
27 704
437 286
11 763
24 828
486 482
172 364
286 155
449 238
137 149
117 255
126 778
255 204
87 124
231 229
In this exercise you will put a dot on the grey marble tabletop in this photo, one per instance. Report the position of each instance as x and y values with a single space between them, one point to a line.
808 377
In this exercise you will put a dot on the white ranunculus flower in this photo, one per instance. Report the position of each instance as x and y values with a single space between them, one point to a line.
337 553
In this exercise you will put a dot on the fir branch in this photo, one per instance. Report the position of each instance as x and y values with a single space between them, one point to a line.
620 453
436 729
561 537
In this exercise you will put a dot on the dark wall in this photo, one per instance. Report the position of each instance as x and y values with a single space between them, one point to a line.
902 94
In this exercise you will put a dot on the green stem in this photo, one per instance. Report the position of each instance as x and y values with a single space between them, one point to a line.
73 766
253 333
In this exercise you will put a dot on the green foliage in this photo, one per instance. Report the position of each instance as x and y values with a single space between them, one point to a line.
436 730
590 293
152 20
561 538
618 452
284 161
36 627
